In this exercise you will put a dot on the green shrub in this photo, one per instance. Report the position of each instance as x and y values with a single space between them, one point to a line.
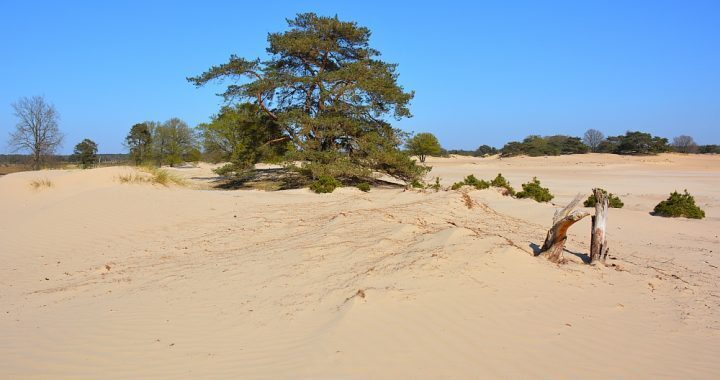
417 184
679 205
325 184
613 200
471 180
436 186
533 190
364 187
500 181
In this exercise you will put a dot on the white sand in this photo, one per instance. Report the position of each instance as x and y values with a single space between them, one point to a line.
107 280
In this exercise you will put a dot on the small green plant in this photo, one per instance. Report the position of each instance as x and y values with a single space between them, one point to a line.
436 186
533 190
613 200
325 184
364 187
38 184
415 184
471 180
501 182
679 205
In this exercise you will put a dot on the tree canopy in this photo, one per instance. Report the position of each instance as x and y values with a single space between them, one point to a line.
545 146
85 153
139 141
423 145
326 89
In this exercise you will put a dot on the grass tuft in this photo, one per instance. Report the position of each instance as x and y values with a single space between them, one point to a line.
38 184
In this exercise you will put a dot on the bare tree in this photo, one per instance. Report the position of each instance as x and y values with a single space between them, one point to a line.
684 144
593 138
37 129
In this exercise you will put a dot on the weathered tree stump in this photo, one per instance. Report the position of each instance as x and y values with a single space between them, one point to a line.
598 236
557 235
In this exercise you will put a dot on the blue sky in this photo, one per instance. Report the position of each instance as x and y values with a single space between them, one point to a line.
483 72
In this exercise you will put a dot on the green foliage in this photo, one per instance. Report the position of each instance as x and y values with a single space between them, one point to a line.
174 142
613 200
242 135
705 149
470 180
85 153
139 141
423 145
436 186
634 143
330 94
363 186
679 205
416 184
325 184
533 190
545 146
501 182
485 150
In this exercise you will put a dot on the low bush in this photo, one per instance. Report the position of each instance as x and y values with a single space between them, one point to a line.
325 184
533 190
416 184
613 200
501 182
679 205
364 187
471 180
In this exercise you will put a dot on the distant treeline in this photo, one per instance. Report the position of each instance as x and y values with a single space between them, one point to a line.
631 143
24 159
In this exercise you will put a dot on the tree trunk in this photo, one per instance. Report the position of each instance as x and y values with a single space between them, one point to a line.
598 235
556 237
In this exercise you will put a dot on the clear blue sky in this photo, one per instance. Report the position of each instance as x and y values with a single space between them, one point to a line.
483 72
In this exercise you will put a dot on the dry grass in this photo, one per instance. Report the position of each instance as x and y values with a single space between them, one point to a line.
41 183
152 175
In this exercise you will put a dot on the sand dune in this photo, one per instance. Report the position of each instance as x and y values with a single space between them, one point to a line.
108 280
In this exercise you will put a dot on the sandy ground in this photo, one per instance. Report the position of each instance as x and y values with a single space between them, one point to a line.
107 280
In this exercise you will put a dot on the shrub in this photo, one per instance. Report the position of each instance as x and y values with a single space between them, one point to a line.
324 184
501 182
533 190
471 180
415 184
679 205
613 200
364 187
436 186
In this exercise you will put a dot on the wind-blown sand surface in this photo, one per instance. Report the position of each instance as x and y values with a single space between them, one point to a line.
107 280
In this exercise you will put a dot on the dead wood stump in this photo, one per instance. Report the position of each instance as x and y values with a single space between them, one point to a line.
598 235
557 235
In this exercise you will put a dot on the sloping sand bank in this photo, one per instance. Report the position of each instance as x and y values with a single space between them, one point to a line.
107 280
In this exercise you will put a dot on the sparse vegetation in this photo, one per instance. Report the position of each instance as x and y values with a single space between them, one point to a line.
363 186
533 190
471 180
501 182
613 200
416 184
325 184
152 175
679 205
38 184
